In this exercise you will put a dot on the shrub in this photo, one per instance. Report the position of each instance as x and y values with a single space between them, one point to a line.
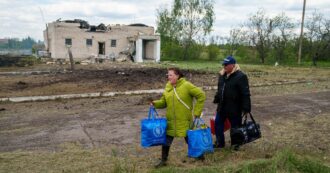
27 61
213 51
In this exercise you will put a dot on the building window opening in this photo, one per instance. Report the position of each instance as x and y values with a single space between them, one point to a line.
89 42
68 41
113 43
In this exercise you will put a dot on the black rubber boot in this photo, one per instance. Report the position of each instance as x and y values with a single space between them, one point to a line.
162 161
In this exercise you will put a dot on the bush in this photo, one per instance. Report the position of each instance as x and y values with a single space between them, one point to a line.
247 55
195 51
172 51
6 61
213 51
27 61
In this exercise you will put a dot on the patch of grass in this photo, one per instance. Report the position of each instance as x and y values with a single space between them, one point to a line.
215 66
284 161
315 86
322 64
73 158
316 78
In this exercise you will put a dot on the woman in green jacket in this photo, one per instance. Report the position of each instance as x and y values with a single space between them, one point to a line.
178 100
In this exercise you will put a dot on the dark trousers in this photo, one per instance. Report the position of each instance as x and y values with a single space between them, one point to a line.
166 147
235 122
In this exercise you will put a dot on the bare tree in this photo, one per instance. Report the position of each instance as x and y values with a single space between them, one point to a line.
314 26
314 33
260 27
281 35
237 37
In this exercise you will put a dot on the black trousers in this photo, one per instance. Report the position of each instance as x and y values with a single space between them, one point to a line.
235 122
166 147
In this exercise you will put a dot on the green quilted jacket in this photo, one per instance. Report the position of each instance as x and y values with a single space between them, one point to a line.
179 117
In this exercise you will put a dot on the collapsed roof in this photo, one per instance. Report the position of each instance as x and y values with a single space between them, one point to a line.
93 28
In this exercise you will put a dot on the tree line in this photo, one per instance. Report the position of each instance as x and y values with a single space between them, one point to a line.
275 39
185 30
16 44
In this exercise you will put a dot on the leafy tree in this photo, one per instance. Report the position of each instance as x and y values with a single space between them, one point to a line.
14 44
168 27
25 43
187 20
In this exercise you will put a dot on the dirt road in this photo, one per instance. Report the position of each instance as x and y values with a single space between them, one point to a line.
102 122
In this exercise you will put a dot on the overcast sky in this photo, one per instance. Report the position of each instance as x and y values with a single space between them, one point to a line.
22 18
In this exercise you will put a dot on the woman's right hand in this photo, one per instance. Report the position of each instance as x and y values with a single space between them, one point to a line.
151 103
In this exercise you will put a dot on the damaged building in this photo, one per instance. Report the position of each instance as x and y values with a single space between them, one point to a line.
135 42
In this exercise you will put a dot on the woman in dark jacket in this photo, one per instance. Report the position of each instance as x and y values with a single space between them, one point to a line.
232 97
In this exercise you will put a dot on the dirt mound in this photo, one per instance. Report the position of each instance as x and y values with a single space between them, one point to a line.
92 80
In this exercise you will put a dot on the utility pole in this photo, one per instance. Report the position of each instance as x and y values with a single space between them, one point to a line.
47 38
301 33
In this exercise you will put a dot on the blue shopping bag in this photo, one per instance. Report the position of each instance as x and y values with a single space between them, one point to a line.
153 129
199 139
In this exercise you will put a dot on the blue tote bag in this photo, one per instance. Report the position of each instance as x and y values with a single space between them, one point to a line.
199 139
153 129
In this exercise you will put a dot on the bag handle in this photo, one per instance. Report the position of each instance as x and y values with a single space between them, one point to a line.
152 113
245 118
198 123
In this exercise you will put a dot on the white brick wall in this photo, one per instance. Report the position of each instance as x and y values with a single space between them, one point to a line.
59 31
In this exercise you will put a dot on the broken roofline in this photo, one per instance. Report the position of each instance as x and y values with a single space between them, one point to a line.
84 24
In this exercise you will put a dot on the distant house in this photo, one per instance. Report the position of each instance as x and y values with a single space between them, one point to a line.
137 41
4 40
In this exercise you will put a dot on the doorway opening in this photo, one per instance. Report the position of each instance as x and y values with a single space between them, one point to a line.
101 48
